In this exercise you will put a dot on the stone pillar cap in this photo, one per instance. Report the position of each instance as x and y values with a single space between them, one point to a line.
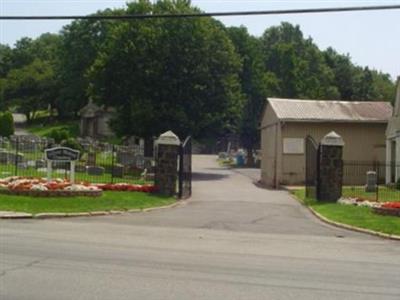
332 139
168 138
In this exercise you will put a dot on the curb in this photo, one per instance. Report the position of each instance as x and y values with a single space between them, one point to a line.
22 215
354 228
346 226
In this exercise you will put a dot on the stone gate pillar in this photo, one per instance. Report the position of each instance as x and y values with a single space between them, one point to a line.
166 171
330 167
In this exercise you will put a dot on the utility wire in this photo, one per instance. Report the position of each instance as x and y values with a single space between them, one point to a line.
211 14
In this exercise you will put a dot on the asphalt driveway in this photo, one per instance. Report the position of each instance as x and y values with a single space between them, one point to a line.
227 199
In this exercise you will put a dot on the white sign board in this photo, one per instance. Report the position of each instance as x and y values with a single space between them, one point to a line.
293 146
61 154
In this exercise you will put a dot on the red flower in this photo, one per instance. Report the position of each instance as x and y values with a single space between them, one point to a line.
395 205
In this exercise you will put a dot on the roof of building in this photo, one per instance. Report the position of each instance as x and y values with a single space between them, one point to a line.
298 110
91 110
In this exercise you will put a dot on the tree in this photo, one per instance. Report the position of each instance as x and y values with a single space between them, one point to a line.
179 74
256 84
80 44
297 63
31 87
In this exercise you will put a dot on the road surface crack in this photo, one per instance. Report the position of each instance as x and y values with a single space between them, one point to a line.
24 266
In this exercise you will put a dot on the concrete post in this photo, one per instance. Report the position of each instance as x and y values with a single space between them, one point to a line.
396 159
388 161
330 167
166 171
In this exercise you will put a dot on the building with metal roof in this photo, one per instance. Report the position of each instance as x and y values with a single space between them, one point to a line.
286 123
393 141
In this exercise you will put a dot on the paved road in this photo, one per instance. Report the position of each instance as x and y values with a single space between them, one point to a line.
232 240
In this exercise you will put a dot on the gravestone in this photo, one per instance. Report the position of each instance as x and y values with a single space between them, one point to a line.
80 168
40 163
139 161
22 165
12 157
95 171
126 158
371 185
91 161
3 156
118 171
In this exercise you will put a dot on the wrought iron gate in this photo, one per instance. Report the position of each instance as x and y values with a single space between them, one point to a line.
311 171
185 169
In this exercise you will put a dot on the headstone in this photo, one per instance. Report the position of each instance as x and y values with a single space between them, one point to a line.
371 185
96 171
22 165
118 171
12 157
80 168
91 161
31 163
139 161
3 156
40 163
126 158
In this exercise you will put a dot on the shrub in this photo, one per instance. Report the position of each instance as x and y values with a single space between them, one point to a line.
6 124
73 144
58 135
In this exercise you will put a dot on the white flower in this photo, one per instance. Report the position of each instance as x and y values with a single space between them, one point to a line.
38 187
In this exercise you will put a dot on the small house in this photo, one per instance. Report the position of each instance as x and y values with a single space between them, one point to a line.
286 123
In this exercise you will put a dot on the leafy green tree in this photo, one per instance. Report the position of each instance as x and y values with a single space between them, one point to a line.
80 44
297 63
256 84
31 87
179 74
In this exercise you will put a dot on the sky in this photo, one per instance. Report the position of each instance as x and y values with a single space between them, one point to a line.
370 38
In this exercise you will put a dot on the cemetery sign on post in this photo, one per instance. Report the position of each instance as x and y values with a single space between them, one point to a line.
61 154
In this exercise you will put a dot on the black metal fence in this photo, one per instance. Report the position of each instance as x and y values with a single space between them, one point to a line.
98 163
355 181
311 170
185 169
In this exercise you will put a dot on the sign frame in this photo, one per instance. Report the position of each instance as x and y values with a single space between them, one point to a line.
65 155
293 146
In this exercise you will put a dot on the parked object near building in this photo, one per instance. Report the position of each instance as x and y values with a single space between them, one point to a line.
95 120
393 142
286 123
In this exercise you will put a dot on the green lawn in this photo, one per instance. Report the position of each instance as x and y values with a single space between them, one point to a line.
362 217
384 193
108 201
43 130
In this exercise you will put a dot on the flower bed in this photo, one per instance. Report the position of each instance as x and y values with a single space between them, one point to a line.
125 187
385 208
36 187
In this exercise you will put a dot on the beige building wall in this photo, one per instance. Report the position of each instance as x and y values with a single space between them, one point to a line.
364 142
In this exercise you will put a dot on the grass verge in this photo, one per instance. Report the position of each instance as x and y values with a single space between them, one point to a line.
108 201
362 217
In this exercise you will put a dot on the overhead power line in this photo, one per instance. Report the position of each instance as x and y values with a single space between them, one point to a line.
211 14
